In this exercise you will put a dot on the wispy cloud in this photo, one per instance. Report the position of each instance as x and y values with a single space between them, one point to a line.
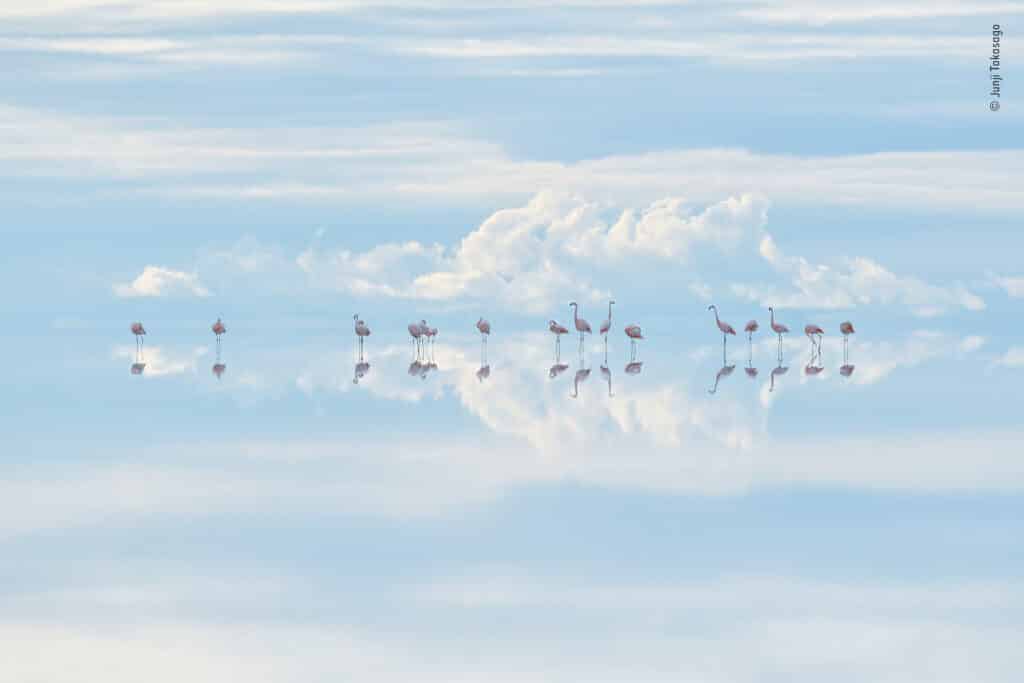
437 161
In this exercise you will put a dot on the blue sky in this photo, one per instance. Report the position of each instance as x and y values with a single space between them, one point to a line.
285 165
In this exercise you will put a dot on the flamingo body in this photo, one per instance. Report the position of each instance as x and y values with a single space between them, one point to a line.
633 332
846 328
483 326
218 328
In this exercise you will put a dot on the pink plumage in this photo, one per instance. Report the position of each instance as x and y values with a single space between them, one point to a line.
633 332
557 329
846 328
218 328
138 329
751 327
483 326
725 327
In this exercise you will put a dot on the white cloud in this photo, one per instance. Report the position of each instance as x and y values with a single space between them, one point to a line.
859 282
160 281
436 161
1014 286
1013 358
530 257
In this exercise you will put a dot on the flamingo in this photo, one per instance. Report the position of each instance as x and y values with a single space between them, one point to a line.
485 333
362 331
811 330
750 328
725 327
779 329
724 372
607 324
557 330
847 329
139 331
416 331
634 334
582 326
430 333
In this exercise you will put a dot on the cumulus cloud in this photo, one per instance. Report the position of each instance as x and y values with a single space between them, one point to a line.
856 281
528 257
156 281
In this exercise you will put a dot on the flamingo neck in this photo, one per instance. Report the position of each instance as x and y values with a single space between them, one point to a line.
715 309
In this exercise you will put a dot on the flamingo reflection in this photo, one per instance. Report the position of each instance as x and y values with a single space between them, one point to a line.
483 373
557 369
720 375
605 370
634 367
581 376
777 372
361 368
138 368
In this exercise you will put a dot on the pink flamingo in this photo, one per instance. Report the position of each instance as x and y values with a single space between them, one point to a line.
811 330
362 331
779 329
558 331
607 324
635 335
430 333
218 328
750 328
725 327
485 333
417 332
582 326
847 329
139 331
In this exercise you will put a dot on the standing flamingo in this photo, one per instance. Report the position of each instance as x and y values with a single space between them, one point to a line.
139 331
847 329
558 331
417 332
607 324
779 329
582 326
635 335
812 330
362 331
725 327
485 333
750 328
430 333
218 330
